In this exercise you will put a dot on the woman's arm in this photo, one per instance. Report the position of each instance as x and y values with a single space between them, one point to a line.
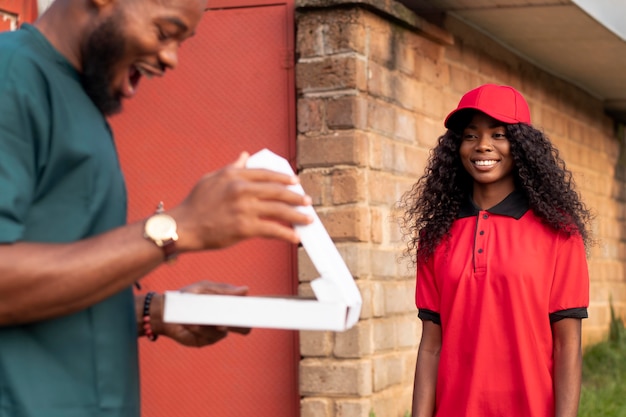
566 334
426 370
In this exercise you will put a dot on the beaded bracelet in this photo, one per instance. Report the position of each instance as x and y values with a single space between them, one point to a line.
147 328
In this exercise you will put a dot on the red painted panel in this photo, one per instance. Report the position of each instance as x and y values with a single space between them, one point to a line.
15 12
232 92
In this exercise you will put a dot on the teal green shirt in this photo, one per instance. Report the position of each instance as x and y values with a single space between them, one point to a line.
60 181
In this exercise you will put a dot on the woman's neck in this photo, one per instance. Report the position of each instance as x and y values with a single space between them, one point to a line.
486 196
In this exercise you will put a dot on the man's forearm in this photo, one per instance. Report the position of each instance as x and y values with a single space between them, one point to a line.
40 281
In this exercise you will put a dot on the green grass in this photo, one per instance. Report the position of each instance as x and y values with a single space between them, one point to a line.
604 375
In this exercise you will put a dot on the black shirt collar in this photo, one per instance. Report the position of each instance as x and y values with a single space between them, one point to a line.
514 205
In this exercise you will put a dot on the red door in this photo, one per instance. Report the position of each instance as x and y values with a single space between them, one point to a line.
15 12
233 91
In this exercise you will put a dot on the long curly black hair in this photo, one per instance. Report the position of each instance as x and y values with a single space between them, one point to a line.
433 203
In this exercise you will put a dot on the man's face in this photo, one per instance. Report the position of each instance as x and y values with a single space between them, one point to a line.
134 38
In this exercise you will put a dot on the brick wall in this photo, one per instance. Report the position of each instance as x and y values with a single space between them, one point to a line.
374 84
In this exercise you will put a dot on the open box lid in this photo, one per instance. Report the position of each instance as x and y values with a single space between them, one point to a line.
338 301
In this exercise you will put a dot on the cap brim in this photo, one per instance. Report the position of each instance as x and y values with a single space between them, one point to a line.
458 119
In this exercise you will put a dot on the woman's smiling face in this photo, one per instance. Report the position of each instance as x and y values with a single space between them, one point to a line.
485 152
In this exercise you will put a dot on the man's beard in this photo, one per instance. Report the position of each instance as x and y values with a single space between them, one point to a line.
103 49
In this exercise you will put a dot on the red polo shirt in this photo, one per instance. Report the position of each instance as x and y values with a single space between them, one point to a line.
495 286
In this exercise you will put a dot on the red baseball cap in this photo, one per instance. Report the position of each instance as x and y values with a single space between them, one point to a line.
501 102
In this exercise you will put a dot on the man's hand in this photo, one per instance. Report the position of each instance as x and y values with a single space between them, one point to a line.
235 203
195 335
224 208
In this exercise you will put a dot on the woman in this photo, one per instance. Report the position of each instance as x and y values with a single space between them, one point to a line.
498 233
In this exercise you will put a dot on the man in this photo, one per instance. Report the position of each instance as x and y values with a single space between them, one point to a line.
68 318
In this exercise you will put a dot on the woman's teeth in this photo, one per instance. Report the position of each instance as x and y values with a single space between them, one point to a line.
485 163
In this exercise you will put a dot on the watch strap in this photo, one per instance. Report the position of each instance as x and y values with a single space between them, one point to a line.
169 250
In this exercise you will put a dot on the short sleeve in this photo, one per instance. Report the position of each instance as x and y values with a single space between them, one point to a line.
18 124
569 295
427 297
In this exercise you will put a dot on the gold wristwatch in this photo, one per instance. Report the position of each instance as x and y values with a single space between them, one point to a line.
161 229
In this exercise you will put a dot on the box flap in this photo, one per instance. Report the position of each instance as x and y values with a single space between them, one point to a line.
335 283
263 312
337 303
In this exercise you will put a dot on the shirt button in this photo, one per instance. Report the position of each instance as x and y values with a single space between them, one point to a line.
482 232
485 216
480 251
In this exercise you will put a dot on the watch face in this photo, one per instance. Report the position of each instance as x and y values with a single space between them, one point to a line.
161 227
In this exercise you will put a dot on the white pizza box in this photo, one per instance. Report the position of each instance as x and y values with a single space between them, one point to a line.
337 303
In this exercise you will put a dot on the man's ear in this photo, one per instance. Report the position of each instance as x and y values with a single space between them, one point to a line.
100 4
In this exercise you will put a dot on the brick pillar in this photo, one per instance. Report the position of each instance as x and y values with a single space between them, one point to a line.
359 119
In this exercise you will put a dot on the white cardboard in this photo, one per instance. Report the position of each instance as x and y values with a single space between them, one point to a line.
337 305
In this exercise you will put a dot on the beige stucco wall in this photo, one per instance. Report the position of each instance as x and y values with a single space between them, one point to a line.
374 84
